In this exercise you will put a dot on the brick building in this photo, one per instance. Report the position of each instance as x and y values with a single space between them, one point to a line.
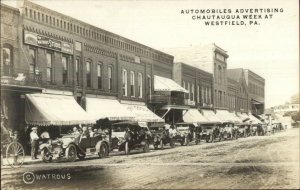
50 53
237 91
256 90
211 59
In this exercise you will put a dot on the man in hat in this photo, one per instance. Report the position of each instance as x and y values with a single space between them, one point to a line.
34 143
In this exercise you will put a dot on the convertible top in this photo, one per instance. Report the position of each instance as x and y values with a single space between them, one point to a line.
130 124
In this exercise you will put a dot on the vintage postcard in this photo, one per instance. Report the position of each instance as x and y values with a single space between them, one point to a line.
150 94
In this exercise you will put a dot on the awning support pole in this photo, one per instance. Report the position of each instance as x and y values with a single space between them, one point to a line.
166 113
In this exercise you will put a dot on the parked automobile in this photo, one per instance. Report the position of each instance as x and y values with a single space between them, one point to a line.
242 130
127 136
73 146
229 131
211 132
161 136
187 133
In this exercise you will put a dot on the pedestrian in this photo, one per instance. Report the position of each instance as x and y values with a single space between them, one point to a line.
34 143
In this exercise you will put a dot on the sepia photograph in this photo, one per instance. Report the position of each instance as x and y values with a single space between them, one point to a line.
150 94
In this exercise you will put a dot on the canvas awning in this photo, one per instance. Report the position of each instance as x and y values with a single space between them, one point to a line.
142 114
166 84
243 116
46 110
226 116
236 118
211 116
194 116
254 120
112 109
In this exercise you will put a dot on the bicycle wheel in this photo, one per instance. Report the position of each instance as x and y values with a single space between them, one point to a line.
15 154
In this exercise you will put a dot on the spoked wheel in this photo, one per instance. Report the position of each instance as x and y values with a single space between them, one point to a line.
15 154
46 156
103 152
161 144
71 153
127 150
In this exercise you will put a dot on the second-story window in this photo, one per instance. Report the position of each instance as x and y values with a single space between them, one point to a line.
192 92
99 75
109 72
77 70
124 82
198 94
132 84
49 67
32 60
88 74
189 90
140 85
149 84
65 66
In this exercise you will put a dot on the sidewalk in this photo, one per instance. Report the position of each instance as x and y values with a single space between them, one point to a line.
27 161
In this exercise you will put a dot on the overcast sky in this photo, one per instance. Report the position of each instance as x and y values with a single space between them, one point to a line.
270 49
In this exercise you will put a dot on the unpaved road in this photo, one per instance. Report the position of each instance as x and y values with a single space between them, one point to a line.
246 163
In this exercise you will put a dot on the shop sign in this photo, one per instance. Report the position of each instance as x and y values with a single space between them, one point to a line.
46 42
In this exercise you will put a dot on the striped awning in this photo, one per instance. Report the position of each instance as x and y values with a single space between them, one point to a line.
46 110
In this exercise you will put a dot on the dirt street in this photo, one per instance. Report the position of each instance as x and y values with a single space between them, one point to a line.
246 163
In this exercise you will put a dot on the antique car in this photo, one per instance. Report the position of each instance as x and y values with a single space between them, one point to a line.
72 146
186 133
160 135
242 130
128 135
229 131
211 132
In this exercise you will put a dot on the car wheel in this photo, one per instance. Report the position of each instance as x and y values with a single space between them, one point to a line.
155 146
103 152
71 153
127 151
197 141
46 155
161 144
146 147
